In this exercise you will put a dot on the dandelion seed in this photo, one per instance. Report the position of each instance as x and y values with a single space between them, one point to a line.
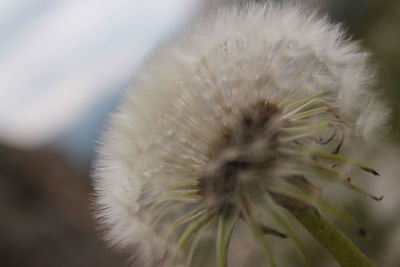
230 123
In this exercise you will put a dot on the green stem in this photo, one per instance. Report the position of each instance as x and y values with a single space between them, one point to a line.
338 245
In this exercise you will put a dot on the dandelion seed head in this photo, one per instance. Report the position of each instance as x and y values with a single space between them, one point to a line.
240 111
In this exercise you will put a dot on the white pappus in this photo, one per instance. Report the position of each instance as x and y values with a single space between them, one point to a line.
243 111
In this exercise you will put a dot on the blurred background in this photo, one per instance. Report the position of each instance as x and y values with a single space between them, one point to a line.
64 66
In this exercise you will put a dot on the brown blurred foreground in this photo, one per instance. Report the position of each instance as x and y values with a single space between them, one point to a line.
44 214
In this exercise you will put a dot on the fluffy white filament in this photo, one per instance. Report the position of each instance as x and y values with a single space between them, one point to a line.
192 88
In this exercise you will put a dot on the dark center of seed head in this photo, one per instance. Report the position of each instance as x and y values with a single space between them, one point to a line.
232 155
